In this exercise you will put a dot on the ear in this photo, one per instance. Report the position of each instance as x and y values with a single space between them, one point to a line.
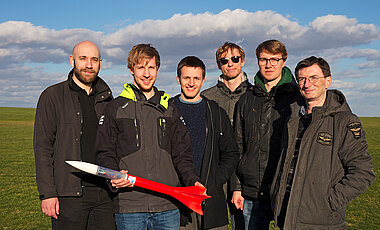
72 61
328 82
283 64
131 71
100 63
179 80
203 81
242 62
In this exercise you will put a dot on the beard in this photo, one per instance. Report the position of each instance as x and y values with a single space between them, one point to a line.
87 80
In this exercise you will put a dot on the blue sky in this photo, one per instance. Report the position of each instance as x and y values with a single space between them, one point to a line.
36 38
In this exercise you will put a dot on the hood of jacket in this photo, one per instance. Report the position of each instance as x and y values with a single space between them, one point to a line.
335 102
244 83
286 77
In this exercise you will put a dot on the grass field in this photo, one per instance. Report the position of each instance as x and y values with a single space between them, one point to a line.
20 207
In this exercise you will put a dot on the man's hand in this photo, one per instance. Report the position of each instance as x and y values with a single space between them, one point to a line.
238 200
50 207
120 183
200 185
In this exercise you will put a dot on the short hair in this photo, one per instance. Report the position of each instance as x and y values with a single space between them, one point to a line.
307 62
140 52
273 47
228 46
191 61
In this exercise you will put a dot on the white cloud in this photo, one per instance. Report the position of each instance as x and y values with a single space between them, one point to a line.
334 37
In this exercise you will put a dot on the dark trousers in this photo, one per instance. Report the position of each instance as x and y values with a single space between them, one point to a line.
93 210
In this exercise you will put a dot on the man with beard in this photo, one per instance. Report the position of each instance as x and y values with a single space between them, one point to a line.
65 128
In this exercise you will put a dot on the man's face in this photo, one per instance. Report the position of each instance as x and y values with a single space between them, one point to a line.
86 62
269 71
231 69
312 84
191 81
145 74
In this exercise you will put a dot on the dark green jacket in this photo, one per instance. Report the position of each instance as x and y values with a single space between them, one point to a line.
333 166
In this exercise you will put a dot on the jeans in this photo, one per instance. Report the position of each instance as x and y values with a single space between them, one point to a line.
257 214
167 220
93 210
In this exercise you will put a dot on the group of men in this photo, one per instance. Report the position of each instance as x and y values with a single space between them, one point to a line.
284 149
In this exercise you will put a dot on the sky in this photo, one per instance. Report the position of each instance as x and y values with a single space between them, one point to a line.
37 37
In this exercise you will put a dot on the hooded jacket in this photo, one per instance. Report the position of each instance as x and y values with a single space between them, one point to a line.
57 135
225 97
147 138
333 166
219 161
259 119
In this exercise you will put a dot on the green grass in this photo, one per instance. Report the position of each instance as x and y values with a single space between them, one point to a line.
20 207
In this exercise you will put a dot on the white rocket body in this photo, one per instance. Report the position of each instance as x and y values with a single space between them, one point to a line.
96 170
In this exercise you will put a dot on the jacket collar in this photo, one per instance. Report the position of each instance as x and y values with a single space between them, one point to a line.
133 93
97 86
244 84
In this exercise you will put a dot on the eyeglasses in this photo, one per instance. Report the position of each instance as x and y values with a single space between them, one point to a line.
312 79
234 59
272 61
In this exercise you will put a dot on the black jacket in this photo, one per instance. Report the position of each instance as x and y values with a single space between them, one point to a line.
219 161
333 166
57 134
147 138
259 120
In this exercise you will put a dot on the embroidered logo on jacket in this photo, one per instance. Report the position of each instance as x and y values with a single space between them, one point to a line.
356 129
101 120
324 138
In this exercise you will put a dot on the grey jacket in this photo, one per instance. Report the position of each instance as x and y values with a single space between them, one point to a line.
225 98
333 166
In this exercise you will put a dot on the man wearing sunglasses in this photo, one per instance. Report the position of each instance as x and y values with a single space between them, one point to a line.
232 83
324 157
259 119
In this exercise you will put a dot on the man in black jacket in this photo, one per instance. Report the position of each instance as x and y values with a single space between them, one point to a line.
142 133
215 153
324 159
65 129
259 117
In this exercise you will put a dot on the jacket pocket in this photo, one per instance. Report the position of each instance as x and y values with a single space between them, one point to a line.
249 171
163 133
129 140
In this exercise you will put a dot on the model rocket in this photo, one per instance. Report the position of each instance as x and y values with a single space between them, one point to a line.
191 196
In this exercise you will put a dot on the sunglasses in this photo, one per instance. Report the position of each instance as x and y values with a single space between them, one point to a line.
234 59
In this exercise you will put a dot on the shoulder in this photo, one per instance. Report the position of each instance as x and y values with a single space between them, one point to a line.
210 91
57 88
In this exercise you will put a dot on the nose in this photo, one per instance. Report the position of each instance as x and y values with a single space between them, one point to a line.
89 64
230 62
146 72
307 83
267 63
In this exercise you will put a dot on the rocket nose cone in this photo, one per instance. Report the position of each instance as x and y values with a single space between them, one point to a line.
84 166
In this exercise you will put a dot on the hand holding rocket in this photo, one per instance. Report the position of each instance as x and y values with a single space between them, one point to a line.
191 196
